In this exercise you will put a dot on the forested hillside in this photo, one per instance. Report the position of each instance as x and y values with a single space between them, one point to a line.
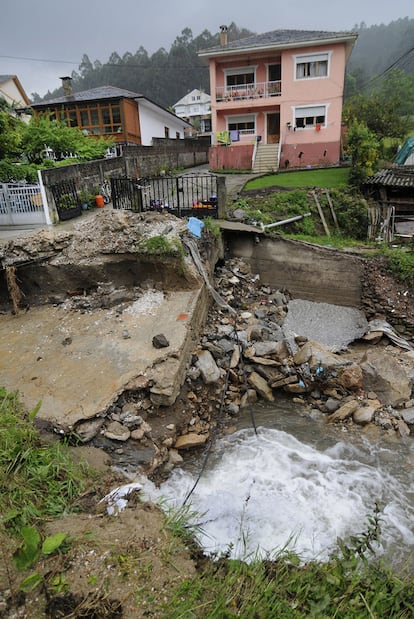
164 77
379 47
167 75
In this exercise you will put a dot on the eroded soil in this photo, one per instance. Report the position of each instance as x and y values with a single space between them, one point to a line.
129 564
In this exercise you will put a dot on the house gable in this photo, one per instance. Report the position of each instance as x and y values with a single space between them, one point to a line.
12 91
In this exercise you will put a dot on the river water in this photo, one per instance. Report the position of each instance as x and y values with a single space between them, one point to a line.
298 483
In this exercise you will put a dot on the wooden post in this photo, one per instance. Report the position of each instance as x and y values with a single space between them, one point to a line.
328 197
321 215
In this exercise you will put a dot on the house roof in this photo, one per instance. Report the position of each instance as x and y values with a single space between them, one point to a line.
93 94
15 79
397 176
280 39
187 99
103 93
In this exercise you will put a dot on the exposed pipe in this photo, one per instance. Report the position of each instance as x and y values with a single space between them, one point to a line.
284 221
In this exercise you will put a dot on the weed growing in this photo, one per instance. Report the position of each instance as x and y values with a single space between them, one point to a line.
349 586
214 227
38 480
350 211
401 264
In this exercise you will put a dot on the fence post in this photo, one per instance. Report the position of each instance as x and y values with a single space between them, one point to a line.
44 198
221 197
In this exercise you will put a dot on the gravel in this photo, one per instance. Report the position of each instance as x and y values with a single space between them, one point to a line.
334 326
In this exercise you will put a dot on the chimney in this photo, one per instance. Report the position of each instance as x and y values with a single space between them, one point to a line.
223 36
67 86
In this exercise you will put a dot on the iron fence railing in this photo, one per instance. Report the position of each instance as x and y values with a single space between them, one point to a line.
65 195
242 92
183 196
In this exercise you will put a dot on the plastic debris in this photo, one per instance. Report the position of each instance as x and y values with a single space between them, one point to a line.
195 226
117 499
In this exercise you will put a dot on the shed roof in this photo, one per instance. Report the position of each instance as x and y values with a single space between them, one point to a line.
397 176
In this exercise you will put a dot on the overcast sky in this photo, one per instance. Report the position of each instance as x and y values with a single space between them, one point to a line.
41 40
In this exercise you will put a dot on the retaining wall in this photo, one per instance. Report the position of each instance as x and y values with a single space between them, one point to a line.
307 271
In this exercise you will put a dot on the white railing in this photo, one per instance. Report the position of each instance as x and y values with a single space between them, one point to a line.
21 204
247 133
242 92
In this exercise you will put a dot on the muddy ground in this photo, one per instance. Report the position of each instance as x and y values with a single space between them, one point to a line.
129 565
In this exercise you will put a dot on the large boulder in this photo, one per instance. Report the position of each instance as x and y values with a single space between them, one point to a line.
317 356
208 367
387 376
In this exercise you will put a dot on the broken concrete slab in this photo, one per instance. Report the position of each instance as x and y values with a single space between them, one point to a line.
81 380
334 326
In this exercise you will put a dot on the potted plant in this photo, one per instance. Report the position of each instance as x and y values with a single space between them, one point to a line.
87 200
68 206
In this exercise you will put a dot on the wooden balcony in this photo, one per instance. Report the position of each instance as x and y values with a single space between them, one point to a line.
260 90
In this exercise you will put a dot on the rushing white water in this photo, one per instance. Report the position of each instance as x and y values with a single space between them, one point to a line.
265 492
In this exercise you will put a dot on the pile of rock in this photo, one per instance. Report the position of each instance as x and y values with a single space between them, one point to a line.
259 359
246 356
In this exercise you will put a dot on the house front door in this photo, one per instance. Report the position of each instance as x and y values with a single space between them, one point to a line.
273 128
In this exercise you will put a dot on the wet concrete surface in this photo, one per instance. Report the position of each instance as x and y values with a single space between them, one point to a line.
77 363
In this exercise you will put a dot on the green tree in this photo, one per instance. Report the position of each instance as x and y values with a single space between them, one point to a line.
10 132
398 87
42 132
381 116
363 147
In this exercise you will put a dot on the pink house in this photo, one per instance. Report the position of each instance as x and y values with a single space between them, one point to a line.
276 99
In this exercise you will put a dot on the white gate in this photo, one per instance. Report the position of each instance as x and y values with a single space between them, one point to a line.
21 205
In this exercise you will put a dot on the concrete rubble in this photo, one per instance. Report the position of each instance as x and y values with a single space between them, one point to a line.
149 370
244 358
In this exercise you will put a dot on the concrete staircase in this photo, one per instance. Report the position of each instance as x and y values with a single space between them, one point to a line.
266 159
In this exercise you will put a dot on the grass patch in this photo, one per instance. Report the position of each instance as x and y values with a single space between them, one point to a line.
348 586
326 178
38 480
400 264
161 246
350 210
336 240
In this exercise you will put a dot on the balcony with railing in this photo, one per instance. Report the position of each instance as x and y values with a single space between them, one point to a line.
242 92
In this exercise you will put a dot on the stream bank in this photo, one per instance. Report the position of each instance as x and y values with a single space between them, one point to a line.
128 353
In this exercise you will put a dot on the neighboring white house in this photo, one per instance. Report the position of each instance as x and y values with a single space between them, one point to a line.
196 105
156 122
13 92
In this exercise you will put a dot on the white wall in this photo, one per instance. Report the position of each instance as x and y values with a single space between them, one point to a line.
153 121
10 92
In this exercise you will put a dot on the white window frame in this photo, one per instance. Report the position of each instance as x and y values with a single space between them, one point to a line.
308 58
310 111
242 118
239 71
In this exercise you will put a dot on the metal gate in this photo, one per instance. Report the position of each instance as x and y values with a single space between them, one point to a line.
183 196
21 205
66 199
